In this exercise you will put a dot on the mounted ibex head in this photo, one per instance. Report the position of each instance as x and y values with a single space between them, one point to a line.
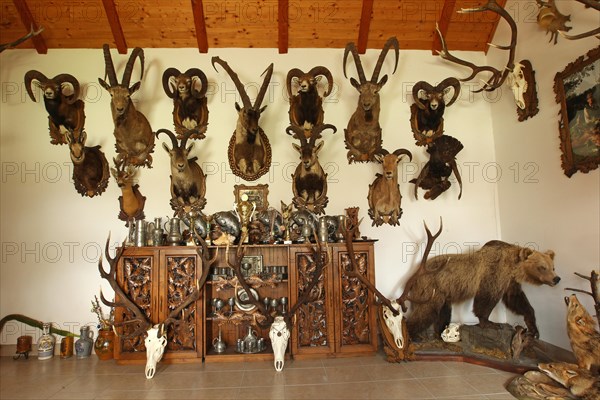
363 135
133 134
249 148
384 193
61 99
188 181
427 113
498 77
190 110
306 107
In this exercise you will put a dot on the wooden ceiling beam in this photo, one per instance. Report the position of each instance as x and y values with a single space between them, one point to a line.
283 26
365 24
443 24
200 24
115 25
28 21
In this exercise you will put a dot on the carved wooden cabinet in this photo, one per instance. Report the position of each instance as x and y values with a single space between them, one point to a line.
341 317
158 279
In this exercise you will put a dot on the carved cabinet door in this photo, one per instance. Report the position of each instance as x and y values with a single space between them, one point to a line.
313 331
355 310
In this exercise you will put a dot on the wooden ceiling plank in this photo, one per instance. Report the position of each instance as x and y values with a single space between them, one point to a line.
200 24
283 18
365 23
28 21
444 24
115 25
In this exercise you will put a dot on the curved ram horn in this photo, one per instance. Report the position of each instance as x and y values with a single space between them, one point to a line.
400 152
67 78
292 73
421 85
351 48
390 42
203 81
169 134
109 66
321 70
263 89
316 131
450 82
236 80
29 77
167 75
136 53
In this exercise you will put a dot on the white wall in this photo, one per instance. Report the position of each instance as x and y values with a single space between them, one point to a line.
540 204
51 236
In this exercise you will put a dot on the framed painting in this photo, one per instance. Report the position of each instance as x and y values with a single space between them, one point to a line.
256 194
577 91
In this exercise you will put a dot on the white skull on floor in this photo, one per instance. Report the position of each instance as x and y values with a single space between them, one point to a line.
279 334
452 333
155 342
394 323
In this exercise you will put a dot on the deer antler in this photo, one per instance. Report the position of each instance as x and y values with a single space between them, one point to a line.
411 281
498 76
123 300
588 3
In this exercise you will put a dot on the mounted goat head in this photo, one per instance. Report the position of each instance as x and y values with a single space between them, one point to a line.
65 110
133 134
306 106
190 110
498 77
188 181
427 112
156 339
32 33
384 193
131 201
90 167
249 149
434 176
363 134
309 181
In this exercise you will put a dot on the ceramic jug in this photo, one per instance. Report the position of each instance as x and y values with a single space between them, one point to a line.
84 345
46 343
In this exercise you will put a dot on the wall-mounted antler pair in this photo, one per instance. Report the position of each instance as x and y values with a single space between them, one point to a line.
133 134
249 150
519 82
156 340
61 99
188 181
363 134
309 181
190 109
306 106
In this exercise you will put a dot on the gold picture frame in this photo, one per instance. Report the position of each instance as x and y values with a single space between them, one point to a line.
579 97
257 195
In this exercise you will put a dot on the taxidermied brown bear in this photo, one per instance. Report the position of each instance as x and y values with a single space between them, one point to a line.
493 273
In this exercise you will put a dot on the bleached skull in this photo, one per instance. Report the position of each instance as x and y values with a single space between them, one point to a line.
155 342
452 333
518 84
394 323
279 334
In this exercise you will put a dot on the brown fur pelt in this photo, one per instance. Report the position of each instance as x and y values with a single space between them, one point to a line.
584 337
493 273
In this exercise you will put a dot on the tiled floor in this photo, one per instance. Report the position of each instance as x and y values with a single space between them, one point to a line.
350 378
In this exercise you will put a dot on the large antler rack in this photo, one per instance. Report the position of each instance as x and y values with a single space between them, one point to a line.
421 270
498 77
595 4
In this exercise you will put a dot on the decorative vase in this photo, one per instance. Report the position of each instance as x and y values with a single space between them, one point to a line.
66 347
83 345
46 343
104 345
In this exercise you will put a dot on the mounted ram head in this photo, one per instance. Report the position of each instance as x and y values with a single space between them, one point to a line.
190 109
363 134
427 112
498 76
133 134
65 110
249 150
306 106
188 181
384 193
